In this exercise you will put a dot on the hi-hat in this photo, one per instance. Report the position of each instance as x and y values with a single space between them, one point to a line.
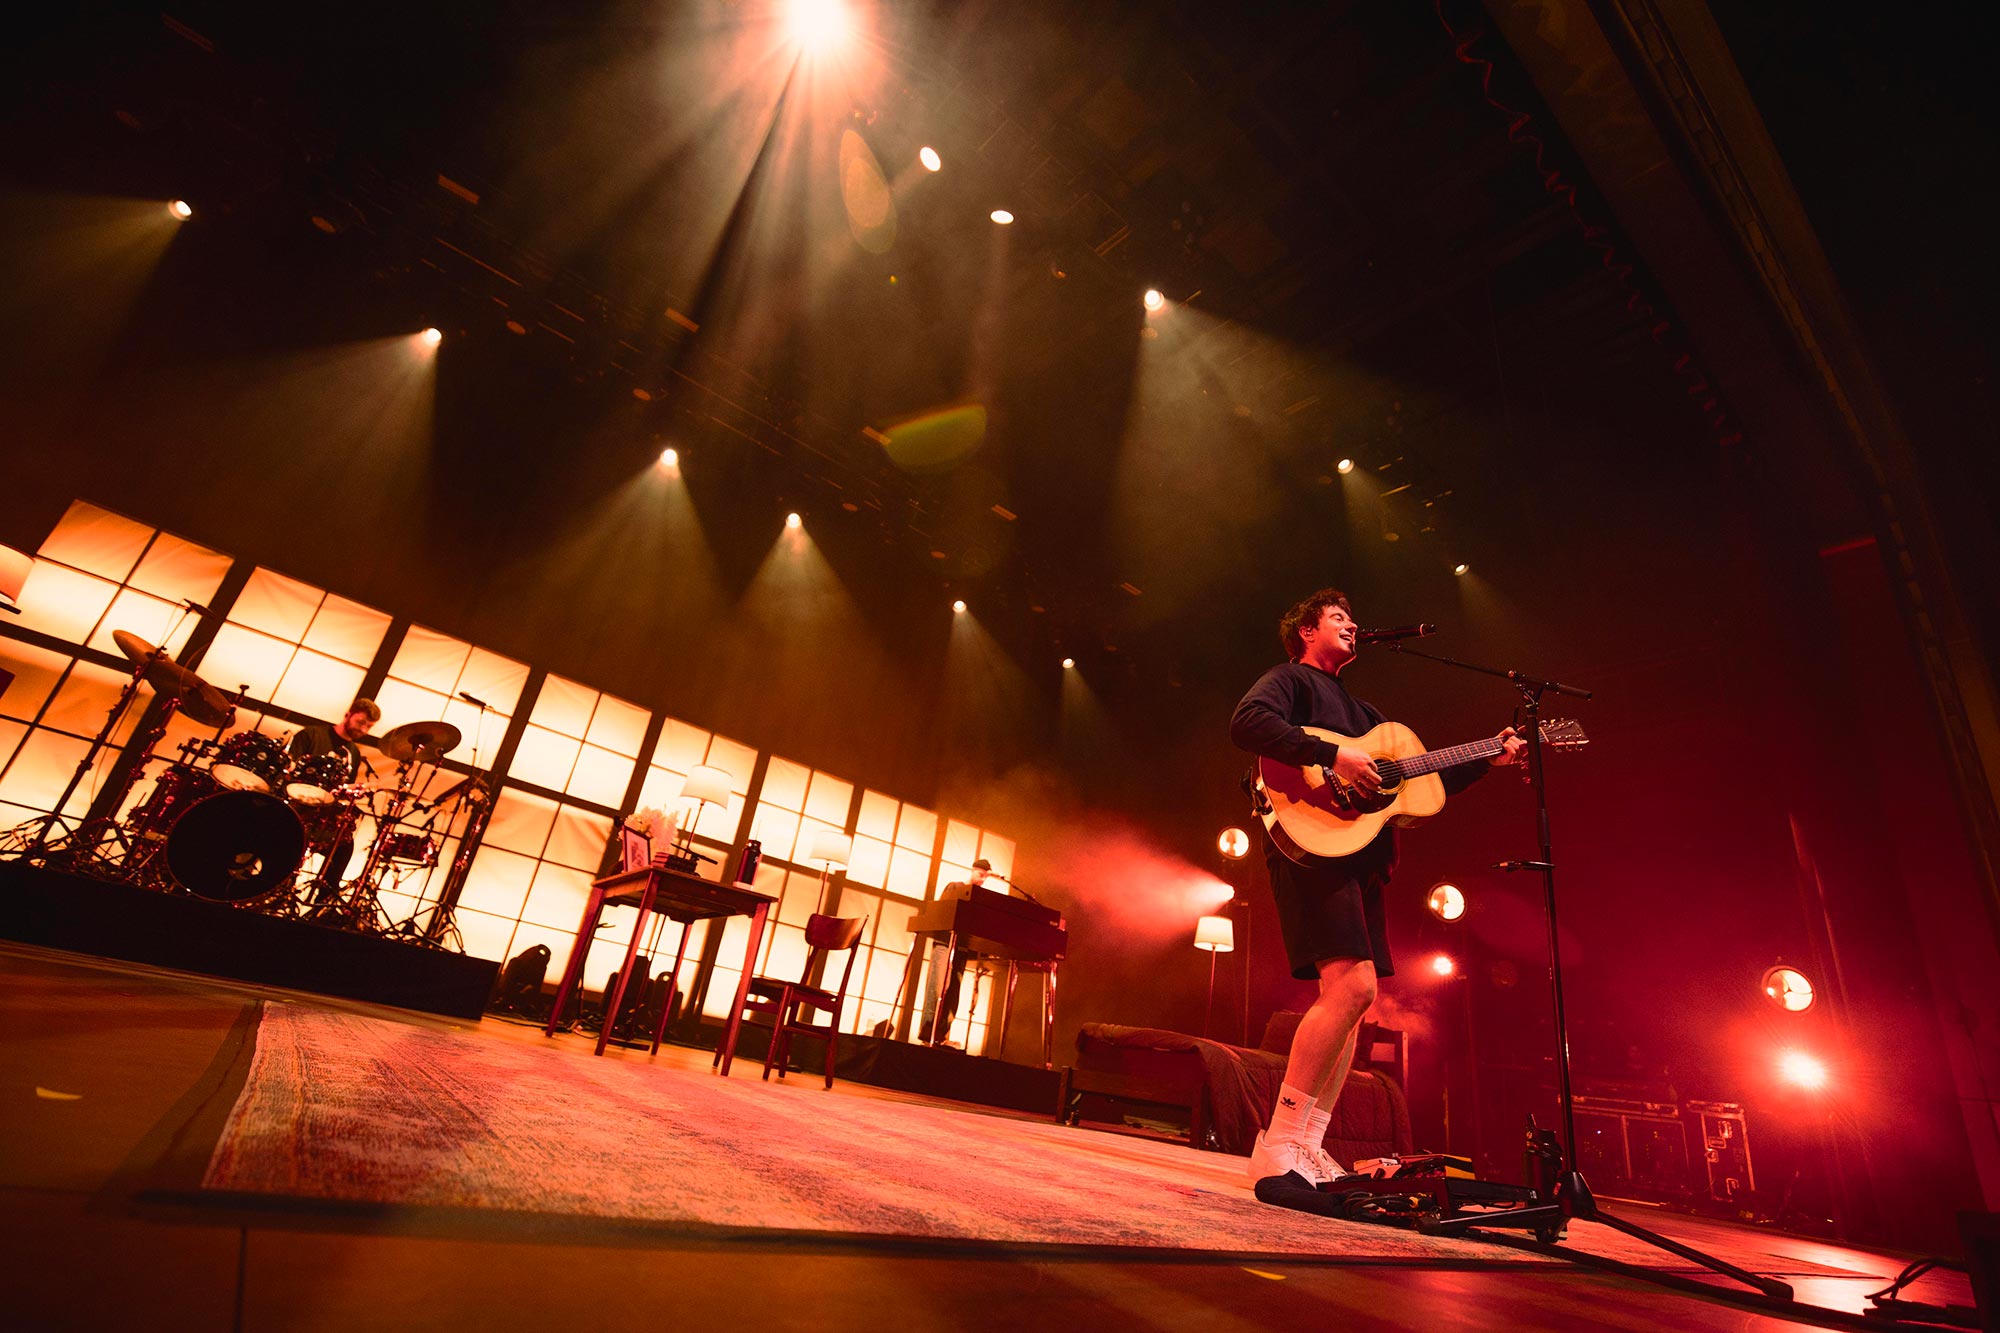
420 740
200 701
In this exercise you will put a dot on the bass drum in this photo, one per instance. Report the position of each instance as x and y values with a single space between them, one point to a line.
236 847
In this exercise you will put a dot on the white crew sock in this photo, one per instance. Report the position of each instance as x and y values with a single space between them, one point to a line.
1289 1116
1316 1122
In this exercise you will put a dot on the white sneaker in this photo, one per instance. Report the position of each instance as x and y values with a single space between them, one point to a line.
1269 1159
1330 1167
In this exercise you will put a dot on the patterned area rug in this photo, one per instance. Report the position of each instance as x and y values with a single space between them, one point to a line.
358 1110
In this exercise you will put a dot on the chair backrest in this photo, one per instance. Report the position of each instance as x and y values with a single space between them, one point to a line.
635 849
830 934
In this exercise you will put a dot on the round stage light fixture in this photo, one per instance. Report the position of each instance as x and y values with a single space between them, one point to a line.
1802 1070
1069 664
1233 843
1155 298
1446 901
1788 988
670 458
180 210
1442 965
958 606
794 522
432 337
1001 216
929 157
1460 568
818 26
1344 466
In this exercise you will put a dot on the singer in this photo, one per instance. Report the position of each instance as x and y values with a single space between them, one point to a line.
1330 914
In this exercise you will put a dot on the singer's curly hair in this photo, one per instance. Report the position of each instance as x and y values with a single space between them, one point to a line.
1308 612
368 706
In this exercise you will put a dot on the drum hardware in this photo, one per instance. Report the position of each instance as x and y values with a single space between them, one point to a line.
172 682
317 779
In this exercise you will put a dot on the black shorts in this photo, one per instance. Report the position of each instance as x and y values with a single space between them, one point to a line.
1332 910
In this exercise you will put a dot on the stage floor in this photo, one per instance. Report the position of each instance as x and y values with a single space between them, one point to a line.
121 1079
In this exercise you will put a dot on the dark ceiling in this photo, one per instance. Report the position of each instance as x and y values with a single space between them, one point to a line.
627 219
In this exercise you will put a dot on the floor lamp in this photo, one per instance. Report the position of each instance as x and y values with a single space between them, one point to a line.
829 850
1217 934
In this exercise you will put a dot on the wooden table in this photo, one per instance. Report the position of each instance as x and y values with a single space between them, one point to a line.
678 896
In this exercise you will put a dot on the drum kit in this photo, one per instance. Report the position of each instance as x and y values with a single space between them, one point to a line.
233 818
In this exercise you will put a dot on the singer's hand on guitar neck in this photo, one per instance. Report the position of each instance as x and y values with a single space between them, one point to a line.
1356 768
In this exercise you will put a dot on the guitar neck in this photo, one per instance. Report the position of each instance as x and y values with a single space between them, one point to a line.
1431 761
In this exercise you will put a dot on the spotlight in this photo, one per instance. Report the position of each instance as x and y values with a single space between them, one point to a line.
1447 902
793 521
1155 298
179 210
1460 568
929 157
1344 466
670 458
1442 965
1788 988
1801 1070
1233 843
431 337
818 25
958 607
1069 664
1001 216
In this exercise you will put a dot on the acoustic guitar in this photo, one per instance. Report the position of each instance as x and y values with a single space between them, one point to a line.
1311 813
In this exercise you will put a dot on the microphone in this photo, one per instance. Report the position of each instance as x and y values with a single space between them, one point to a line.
473 700
194 606
1402 632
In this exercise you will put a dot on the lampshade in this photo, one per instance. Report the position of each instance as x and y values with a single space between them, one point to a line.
706 784
14 569
1217 933
830 848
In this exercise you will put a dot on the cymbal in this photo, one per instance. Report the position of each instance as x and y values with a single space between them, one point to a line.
407 741
199 699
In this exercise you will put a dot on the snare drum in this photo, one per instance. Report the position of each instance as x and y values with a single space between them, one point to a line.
250 761
316 779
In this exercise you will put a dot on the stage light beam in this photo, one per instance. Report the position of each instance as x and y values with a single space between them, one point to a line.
432 337
1802 1070
793 522
1001 216
1069 664
958 606
180 210
818 26
1344 466
929 157
670 458
1155 298
1460 569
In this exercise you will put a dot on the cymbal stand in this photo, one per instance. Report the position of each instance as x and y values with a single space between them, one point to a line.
30 841
1562 1194
364 908
103 841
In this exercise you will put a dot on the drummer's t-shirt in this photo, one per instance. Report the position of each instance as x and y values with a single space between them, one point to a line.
321 739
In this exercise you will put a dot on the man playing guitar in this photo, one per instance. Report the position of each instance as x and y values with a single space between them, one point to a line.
1331 912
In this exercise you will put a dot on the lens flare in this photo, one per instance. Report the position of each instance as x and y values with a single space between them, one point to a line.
1001 216
1442 965
929 157
818 26
1802 1070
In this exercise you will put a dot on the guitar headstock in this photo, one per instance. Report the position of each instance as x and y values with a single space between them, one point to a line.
1564 733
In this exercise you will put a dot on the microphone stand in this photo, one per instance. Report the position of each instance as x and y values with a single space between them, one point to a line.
1557 1191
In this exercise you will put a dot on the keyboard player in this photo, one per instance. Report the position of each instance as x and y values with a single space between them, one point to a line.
953 969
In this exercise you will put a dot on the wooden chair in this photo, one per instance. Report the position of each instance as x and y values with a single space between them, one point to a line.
783 1001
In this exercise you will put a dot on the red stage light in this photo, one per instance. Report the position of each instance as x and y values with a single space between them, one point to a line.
1802 1070
1442 964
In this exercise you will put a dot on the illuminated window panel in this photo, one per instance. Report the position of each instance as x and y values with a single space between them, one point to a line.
909 873
601 776
777 829
276 605
37 672
63 603
559 942
318 686
618 727
42 763
867 1015
829 800
878 816
241 657
801 897
729 959
564 706
10 740
158 621
486 935
578 839
683 746
545 758
521 822
785 785
916 829
961 842
557 897
97 541
173 568
999 851
424 682
497 881
868 862
785 954
346 630
85 698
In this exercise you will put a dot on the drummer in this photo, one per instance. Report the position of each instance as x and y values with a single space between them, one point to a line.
317 739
